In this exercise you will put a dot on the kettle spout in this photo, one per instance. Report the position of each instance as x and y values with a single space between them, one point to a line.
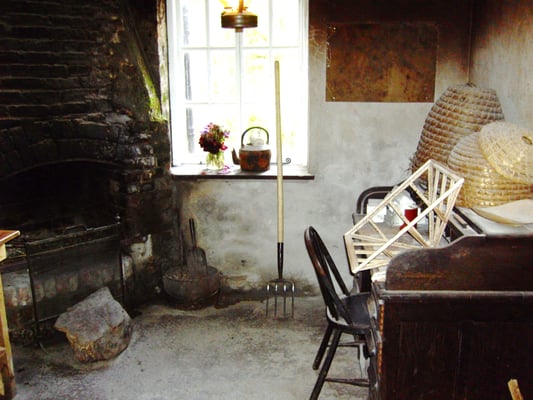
235 157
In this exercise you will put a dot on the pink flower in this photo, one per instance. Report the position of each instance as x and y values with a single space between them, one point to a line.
212 138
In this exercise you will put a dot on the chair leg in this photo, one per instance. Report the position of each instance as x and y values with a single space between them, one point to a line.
327 363
323 346
363 361
362 356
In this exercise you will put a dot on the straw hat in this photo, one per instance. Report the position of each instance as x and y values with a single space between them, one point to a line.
509 149
484 186
460 111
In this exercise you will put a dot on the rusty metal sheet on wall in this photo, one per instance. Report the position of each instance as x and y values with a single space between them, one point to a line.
385 62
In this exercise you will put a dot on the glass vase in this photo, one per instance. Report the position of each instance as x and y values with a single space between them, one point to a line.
215 162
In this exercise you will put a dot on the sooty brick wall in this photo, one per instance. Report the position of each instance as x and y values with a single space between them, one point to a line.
79 83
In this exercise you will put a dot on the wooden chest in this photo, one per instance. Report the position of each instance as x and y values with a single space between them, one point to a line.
455 322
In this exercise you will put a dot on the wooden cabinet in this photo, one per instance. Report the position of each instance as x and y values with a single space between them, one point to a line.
7 381
455 322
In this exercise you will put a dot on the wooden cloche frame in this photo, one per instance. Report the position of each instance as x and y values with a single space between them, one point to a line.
368 245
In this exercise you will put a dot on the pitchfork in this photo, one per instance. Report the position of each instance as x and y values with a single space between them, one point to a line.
280 286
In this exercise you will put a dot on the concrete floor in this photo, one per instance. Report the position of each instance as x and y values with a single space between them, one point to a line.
234 352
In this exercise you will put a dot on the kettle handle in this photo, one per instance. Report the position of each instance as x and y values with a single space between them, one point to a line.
249 129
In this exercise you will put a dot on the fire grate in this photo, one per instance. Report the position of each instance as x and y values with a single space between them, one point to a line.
66 268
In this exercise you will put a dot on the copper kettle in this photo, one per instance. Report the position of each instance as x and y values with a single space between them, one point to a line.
254 156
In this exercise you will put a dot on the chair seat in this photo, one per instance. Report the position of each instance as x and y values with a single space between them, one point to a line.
356 306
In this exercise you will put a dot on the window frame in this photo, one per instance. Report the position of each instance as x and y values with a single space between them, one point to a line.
178 85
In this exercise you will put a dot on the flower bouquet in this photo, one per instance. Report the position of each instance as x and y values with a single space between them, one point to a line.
212 140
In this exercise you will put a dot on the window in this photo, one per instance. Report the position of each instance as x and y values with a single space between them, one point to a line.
221 76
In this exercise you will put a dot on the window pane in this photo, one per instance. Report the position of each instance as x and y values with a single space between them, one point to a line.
285 25
193 23
258 37
195 67
260 115
223 76
293 106
258 84
290 75
218 36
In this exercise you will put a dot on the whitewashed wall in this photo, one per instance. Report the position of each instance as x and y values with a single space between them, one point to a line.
352 146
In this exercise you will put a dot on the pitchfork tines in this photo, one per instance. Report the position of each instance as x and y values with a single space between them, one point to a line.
281 288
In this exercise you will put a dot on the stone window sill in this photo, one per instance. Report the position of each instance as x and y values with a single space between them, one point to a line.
198 171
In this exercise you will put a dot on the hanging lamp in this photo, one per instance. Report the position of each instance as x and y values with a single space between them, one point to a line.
237 18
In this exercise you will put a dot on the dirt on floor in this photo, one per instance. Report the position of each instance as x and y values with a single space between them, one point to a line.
229 352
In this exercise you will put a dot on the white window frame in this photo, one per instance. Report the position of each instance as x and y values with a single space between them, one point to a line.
178 103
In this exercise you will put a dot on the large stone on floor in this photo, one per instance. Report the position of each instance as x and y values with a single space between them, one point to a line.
98 328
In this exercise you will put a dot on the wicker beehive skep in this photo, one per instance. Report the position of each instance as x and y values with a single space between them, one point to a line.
483 185
509 149
460 111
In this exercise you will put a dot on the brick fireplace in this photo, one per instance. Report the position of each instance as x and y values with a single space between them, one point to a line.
82 141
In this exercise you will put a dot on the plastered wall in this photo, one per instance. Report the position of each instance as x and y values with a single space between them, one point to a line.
502 55
352 146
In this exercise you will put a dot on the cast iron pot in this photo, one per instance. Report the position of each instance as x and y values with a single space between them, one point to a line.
192 290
